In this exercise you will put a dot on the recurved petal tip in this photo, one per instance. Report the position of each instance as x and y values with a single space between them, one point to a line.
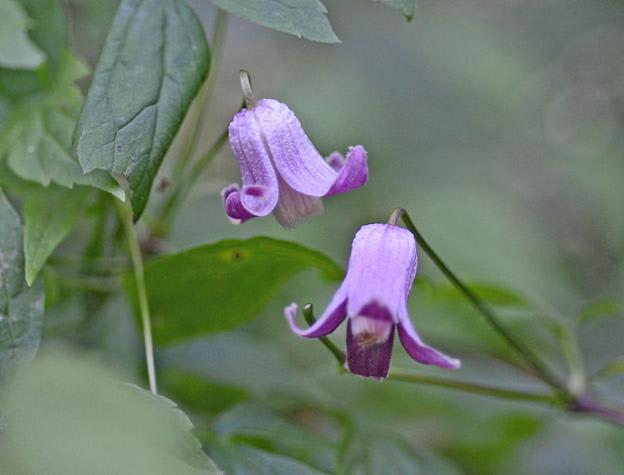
422 352
354 172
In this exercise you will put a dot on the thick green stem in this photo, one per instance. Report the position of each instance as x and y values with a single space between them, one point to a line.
134 250
484 309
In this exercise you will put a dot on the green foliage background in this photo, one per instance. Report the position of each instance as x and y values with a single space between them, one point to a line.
496 124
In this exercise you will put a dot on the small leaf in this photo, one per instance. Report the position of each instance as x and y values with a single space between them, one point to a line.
407 7
67 414
606 307
49 216
21 307
37 138
220 286
154 61
302 18
16 49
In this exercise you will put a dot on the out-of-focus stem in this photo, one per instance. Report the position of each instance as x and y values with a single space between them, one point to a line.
134 250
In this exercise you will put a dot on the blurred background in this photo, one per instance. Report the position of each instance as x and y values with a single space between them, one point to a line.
497 124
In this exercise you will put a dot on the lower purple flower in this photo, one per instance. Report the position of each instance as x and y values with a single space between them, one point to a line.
373 297
282 171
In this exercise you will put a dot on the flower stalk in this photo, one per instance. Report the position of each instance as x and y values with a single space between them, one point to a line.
483 308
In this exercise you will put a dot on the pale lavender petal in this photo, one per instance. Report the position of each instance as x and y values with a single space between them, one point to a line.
294 156
354 172
381 267
260 189
420 351
369 341
333 316
293 207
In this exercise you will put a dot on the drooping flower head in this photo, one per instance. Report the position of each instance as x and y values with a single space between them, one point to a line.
373 297
282 172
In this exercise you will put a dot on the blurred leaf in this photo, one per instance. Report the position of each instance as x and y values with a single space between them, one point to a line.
240 459
48 30
36 141
219 286
407 7
49 216
16 49
161 46
386 454
258 425
302 18
491 293
613 368
235 359
607 307
198 393
68 415
21 307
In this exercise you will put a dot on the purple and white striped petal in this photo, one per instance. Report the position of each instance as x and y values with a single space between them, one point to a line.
382 267
297 160
260 191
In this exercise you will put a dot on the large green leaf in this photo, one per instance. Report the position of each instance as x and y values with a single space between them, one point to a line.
68 415
302 18
219 286
16 49
36 141
21 307
49 216
154 61
407 7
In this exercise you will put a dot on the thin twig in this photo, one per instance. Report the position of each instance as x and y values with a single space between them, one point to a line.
134 250
308 314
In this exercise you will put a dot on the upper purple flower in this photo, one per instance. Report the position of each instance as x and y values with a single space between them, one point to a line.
281 170
373 296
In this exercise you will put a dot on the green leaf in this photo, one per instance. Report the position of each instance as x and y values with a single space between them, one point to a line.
302 18
21 307
407 7
36 141
605 307
48 31
219 286
241 459
153 63
49 216
66 415
16 49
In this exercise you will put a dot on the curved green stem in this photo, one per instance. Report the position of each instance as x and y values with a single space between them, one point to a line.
483 308
125 216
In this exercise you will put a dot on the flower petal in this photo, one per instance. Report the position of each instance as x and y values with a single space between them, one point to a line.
420 351
294 156
369 341
354 172
335 160
382 267
326 323
293 207
251 202
260 190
